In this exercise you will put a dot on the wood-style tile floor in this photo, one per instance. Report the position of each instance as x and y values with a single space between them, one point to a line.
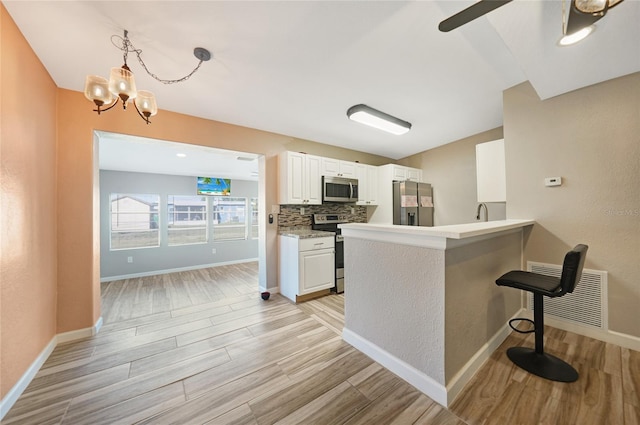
201 347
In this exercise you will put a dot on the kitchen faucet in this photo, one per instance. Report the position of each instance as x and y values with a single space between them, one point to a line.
486 212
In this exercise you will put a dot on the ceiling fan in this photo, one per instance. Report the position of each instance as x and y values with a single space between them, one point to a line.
582 13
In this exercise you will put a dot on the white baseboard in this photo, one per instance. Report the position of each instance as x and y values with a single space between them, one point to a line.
16 391
464 375
413 376
176 270
623 340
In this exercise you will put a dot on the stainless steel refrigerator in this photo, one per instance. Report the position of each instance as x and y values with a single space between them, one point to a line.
412 203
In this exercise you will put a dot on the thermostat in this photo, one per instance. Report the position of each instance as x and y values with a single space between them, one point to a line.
553 181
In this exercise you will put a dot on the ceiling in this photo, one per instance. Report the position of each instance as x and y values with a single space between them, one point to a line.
295 67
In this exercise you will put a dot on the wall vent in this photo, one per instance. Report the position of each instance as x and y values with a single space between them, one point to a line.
586 305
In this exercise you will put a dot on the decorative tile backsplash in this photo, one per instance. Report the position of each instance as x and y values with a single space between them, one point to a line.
290 214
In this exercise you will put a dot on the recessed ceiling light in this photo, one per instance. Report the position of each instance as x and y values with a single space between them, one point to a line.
181 155
577 36
378 119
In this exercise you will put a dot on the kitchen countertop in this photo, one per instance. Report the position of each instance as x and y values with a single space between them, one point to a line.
306 233
439 237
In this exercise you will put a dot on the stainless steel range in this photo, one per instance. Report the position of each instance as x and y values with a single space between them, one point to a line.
329 223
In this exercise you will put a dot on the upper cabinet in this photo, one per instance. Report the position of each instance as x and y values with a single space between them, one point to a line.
336 168
491 173
402 173
299 179
367 176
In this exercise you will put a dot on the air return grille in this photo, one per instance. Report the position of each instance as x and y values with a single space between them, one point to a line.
586 305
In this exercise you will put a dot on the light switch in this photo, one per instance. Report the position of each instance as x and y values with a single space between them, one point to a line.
553 181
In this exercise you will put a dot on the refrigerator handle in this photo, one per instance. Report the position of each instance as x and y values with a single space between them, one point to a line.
411 219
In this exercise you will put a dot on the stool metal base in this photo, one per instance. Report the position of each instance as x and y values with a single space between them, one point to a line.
543 365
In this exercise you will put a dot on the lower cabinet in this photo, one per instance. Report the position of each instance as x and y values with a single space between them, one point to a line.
307 266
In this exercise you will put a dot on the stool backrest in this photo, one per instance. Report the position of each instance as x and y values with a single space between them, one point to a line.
572 268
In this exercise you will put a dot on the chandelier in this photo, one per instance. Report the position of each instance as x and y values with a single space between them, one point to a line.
121 84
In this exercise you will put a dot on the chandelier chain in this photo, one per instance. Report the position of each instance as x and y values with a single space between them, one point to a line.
127 47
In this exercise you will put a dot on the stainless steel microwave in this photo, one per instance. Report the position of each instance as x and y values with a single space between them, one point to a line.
339 189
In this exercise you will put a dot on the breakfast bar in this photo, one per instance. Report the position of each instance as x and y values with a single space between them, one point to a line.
422 301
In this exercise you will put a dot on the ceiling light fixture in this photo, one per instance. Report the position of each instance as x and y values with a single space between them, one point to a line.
582 15
374 118
122 85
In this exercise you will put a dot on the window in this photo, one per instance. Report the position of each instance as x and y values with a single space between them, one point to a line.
186 220
229 220
254 218
134 221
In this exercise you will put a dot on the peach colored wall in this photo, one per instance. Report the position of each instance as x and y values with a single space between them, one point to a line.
28 205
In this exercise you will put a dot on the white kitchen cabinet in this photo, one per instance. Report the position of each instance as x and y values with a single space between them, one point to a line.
491 172
367 176
402 173
299 179
337 168
306 266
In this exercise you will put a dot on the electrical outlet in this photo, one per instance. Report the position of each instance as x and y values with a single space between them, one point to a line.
353 210
129 259
302 211
213 250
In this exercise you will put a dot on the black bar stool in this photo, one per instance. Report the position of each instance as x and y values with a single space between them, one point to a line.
537 361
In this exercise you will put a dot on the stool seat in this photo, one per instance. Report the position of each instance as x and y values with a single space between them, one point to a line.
536 361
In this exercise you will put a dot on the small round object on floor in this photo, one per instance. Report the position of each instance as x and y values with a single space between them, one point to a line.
265 295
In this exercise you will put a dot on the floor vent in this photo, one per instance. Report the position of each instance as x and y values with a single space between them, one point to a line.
587 305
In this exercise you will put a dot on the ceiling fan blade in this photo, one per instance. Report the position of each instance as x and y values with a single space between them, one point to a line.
472 12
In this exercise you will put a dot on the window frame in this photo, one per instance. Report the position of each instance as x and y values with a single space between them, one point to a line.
154 217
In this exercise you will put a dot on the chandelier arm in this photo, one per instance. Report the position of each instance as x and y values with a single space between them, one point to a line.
141 115
106 109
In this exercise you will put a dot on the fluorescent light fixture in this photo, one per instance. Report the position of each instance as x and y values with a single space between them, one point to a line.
377 119
577 36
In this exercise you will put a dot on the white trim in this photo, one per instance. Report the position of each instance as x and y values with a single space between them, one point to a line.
77 334
623 340
14 393
464 375
178 269
413 376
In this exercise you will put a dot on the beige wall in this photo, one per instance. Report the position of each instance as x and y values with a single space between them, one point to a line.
451 170
27 205
591 138
50 238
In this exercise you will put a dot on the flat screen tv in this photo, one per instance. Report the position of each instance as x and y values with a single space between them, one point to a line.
213 186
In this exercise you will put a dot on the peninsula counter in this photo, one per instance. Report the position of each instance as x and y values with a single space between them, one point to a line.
422 301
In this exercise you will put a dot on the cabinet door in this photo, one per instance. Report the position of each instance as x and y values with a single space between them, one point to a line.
399 173
414 174
347 169
490 169
295 172
313 180
363 184
317 270
372 185
330 167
